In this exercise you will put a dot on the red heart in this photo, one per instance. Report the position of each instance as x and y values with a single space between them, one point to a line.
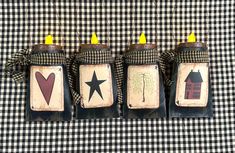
46 85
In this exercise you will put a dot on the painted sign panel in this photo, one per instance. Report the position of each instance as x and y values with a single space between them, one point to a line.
46 88
96 85
143 86
192 85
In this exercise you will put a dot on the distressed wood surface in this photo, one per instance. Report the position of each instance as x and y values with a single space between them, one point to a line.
46 88
143 86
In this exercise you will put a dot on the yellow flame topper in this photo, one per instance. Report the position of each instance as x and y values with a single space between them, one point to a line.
192 37
142 38
49 40
94 39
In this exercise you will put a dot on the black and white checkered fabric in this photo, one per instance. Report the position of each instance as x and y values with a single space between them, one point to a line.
118 24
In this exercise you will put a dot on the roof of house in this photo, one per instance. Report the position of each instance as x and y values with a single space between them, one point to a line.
195 77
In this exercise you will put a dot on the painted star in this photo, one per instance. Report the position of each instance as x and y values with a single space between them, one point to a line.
95 86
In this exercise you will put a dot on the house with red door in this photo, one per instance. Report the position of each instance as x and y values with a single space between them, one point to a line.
193 85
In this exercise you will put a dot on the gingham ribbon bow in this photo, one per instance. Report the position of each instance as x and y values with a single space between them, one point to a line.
24 58
20 58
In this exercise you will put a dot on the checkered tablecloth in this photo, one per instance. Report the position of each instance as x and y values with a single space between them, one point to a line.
24 23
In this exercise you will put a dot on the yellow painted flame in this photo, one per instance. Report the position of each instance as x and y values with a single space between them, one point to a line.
94 39
49 40
192 37
142 38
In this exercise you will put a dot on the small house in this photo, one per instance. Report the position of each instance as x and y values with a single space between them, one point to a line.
193 85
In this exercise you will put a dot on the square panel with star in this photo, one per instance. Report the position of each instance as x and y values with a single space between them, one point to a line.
96 86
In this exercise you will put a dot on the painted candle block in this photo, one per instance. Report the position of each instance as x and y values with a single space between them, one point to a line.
143 89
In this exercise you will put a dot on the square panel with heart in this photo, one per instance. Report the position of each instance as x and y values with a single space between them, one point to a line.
46 88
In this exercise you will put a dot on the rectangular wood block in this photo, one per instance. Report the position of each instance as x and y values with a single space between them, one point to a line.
96 87
46 88
143 87
192 85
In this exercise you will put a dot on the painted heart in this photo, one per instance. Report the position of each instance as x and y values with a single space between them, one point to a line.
46 85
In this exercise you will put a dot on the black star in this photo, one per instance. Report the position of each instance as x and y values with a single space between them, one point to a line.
95 86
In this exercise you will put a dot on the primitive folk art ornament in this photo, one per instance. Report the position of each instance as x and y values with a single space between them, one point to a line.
190 92
96 81
48 94
143 85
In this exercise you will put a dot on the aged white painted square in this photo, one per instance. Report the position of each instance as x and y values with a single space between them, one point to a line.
38 101
142 87
96 85
192 85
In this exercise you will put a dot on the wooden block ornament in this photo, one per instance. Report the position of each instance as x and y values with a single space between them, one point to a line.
96 82
143 89
190 92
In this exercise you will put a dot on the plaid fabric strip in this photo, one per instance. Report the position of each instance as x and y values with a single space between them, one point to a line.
192 57
72 70
95 56
168 56
19 58
119 76
145 56
47 58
